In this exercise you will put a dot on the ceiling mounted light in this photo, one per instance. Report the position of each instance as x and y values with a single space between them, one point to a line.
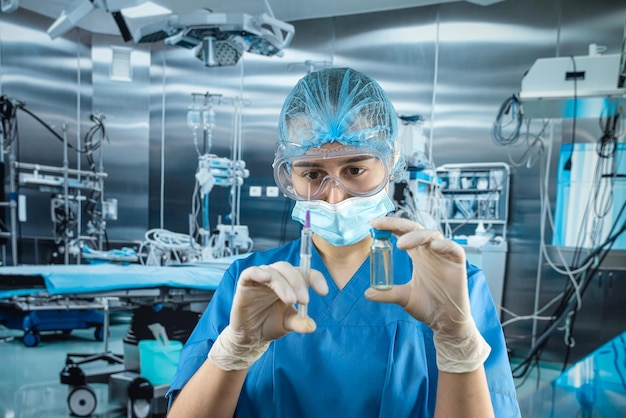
219 39
214 53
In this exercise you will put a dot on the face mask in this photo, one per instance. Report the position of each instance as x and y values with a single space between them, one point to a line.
346 222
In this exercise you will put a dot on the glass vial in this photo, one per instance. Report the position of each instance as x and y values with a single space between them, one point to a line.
381 260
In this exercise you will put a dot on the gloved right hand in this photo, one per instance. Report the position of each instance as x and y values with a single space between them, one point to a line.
262 311
437 294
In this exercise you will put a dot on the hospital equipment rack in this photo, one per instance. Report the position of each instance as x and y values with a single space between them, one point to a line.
476 200
473 194
127 388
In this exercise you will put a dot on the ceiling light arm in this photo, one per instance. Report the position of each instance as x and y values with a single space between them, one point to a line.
120 21
282 32
9 6
79 9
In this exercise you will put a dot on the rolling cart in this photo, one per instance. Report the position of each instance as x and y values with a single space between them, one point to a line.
127 388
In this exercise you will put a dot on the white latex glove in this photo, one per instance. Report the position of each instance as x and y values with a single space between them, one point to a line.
262 311
436 295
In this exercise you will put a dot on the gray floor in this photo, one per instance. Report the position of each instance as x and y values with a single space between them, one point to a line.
30 376
537 378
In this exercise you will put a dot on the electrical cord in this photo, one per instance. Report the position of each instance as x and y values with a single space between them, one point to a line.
8 115
568 339
166 247
97 128
89 143
513 106
612 237
571 297
534 147
8 112
621 81
534 142
568 163
568 303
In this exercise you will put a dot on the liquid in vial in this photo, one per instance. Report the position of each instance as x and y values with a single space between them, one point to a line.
381 260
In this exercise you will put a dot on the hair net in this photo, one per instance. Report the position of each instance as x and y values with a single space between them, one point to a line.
343 105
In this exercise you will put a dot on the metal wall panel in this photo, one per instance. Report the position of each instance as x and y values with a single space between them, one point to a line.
125 105
53 79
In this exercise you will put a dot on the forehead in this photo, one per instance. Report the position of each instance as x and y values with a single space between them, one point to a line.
331 146
328 158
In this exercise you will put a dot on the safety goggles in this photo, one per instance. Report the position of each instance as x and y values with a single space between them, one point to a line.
309 177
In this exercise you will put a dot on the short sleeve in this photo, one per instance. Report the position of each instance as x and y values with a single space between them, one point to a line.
497 366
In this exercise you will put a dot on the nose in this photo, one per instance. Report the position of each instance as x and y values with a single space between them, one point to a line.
335 193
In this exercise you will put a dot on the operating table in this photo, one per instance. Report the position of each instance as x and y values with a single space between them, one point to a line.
65 297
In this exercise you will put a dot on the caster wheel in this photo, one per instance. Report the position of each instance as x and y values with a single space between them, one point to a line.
82 401
139 408
31 339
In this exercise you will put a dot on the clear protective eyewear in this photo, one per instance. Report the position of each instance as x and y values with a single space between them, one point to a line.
308 177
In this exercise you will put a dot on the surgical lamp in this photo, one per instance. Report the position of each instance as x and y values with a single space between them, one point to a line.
219 39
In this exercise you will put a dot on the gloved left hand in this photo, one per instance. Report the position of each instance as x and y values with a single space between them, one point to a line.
437 294
262 311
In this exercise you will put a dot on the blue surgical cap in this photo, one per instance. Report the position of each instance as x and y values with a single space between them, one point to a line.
339 105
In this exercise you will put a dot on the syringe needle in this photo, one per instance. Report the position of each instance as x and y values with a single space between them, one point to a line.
306 249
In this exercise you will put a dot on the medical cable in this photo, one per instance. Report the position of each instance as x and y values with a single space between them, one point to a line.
571 297
306 250
513 106
568 302
166 247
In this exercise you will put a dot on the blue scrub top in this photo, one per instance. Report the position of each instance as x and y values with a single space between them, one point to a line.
365 359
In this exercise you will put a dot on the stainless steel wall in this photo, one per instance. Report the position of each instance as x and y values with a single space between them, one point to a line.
455 64
126 106
54 81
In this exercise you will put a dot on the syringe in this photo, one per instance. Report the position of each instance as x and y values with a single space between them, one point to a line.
306 249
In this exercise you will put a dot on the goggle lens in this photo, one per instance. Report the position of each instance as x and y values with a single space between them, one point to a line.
309 177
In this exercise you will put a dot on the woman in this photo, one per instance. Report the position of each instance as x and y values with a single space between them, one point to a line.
430 346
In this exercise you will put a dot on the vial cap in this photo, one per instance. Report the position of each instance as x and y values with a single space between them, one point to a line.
380 233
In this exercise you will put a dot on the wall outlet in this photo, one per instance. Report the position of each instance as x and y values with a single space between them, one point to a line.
256 191
271 191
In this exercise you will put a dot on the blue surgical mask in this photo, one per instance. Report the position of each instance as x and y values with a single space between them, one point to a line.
346 222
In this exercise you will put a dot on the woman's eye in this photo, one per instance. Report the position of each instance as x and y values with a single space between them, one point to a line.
312 175
355 171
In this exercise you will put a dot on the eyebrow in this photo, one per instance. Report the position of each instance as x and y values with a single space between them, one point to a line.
317 164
